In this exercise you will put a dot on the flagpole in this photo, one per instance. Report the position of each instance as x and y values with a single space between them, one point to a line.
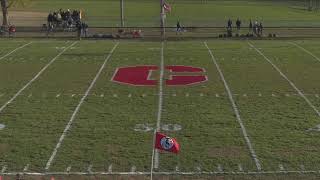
153 152
162 19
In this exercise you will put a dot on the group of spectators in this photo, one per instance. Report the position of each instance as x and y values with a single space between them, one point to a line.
255 28
65 19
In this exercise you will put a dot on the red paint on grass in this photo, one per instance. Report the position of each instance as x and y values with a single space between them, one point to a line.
178 80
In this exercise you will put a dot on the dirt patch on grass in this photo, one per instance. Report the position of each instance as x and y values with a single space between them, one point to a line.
228 151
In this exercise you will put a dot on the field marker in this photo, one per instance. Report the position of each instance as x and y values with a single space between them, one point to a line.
289 81
236 111
302 48
26 168
240 167
53 155
58 95
15 50
4 168
110 168
34 78
161 77
281 167
133 169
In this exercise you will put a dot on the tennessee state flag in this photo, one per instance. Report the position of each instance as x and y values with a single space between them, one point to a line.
166 143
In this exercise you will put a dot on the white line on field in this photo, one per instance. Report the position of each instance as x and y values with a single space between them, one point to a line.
137 173
156 154
78 108
289 81
302 48
236 111
34 78
58 95
15 50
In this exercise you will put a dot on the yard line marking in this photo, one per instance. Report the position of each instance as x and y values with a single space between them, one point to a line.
133 169
240 167
236 111
253 173
58 95
305 50
110 168
26 168
156 154
34 78
289 81
65 131
281 167
4 168
15 50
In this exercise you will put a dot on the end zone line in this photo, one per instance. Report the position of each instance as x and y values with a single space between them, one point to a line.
236 111
305 50
15 50
286 78
35 77
156 154
53 155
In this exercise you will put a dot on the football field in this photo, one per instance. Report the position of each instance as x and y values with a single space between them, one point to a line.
91 107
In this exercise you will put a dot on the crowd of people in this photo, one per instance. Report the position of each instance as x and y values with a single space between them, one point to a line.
65 19
254 28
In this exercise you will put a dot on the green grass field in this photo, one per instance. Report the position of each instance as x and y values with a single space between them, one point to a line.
189 12
43 83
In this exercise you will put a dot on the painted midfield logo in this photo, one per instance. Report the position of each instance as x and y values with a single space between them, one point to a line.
141 75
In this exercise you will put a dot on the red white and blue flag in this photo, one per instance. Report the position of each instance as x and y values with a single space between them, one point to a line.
166 143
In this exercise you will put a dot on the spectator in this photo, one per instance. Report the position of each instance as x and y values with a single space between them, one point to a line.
261 28
238 23
179 27
250 26
229 24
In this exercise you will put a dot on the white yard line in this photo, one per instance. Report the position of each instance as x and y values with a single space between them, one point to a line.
305 50
188 173
15 50
236 111
53 155
34 78
156 154
286 78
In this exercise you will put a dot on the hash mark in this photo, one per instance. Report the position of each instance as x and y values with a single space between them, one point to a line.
260 94
129 95
273 95
201 94
58 95
72 95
